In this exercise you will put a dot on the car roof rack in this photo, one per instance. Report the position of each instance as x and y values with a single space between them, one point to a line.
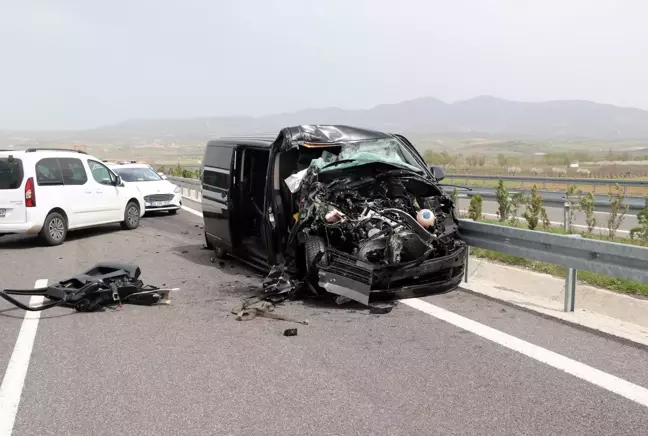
31 150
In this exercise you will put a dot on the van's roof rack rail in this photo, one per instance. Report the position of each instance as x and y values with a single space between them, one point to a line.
31 150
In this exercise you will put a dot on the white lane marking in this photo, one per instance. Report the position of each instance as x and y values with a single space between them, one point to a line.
190 210
554 223
584 372
14 378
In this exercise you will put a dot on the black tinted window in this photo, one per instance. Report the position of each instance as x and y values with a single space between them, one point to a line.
48 172
11 173
218 156
212 179
73 171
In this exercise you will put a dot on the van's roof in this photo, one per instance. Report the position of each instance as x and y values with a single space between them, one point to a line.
311 133
37 151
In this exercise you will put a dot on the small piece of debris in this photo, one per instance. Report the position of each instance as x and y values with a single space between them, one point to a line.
185 232
340 300
185 251
380 308
196 225
212 260
221 263
290 332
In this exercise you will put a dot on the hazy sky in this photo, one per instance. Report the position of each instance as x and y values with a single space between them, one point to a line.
85 63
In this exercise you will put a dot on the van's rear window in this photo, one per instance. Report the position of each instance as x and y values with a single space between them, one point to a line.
11 173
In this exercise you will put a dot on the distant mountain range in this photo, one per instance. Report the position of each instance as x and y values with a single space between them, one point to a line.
481 115
484 115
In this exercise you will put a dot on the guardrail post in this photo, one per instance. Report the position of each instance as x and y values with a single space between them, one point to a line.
570 290
566 214
467 264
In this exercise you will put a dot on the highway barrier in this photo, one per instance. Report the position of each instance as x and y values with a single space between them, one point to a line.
571 251
554 180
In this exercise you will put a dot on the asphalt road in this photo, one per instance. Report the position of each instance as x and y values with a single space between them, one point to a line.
556 215
191 369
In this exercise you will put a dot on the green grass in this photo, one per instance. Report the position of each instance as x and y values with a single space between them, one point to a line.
613 284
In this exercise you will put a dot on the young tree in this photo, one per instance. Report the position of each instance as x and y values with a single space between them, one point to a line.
503 202
587 206
571 197
534 210
454 196
475 209
642 229
617 211
516 201
502 160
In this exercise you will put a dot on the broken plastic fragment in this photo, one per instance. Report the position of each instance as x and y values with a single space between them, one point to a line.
334 216
294 181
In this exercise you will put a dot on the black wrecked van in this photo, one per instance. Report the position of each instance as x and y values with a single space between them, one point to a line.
351 211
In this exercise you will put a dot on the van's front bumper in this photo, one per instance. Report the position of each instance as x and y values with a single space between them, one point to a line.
345 275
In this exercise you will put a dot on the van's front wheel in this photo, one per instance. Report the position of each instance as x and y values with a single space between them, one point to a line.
54 229
131 216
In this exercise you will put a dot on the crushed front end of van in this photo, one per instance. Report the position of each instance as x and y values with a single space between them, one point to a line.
370 218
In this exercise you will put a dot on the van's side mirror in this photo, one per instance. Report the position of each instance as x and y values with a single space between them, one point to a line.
438 171
162 175
118 181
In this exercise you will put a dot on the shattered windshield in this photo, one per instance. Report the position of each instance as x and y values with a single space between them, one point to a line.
385 150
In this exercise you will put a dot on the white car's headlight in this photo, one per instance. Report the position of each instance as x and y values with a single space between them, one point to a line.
177 190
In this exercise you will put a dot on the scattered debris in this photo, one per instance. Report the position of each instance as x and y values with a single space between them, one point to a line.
290 332
380 308
104 285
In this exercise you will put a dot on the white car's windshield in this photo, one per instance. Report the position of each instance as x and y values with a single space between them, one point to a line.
137 174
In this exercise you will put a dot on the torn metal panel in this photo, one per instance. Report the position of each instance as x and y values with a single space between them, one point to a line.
338 285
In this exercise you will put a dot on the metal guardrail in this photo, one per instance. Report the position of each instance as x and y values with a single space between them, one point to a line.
555 180
601 203
571 251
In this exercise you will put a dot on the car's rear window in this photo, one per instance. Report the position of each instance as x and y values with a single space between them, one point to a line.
11 173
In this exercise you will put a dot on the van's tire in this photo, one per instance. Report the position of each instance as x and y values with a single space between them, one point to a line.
173 211
54 229
313 246
131 216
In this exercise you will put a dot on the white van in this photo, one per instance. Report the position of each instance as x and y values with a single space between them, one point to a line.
50 191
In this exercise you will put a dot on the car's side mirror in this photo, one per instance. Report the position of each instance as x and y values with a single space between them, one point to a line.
163 176
119 181
438 171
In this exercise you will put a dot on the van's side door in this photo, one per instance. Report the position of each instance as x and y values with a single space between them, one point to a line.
78 193
216 184
107 195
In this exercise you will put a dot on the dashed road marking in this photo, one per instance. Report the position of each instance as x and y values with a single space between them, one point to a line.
584 372
14 378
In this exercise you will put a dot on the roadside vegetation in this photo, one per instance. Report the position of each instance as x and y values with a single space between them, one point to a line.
178 171
535 214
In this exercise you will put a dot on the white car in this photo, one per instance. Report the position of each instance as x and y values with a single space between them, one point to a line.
159 194
47 192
